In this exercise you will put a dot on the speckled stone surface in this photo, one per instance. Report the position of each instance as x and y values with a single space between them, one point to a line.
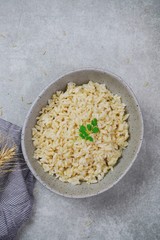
39 40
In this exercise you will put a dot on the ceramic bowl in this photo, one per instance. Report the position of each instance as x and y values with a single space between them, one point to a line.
117 86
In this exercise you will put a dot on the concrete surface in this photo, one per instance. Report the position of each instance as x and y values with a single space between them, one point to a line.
39 40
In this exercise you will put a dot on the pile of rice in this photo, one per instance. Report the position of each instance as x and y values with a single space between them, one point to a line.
59 148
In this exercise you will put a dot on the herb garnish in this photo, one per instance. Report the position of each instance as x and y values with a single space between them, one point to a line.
90 128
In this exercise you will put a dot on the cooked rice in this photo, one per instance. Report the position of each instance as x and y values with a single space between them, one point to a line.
59 148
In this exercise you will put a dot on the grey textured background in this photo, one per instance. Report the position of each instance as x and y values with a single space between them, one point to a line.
41 39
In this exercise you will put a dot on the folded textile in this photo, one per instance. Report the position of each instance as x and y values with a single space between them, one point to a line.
16 184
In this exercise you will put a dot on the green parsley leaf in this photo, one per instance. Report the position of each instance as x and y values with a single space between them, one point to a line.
85 134
90 139
94 122
82 128
89 127
95 130
82 136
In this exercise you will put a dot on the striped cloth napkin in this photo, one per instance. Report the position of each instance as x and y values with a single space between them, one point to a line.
16 187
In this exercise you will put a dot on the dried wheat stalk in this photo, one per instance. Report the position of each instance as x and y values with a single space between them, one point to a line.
9 158
6 154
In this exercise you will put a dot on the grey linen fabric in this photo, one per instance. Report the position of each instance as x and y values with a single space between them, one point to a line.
16 187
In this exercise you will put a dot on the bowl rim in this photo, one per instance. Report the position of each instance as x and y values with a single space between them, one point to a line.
105 71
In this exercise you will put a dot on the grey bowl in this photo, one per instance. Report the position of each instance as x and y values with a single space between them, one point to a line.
116 85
